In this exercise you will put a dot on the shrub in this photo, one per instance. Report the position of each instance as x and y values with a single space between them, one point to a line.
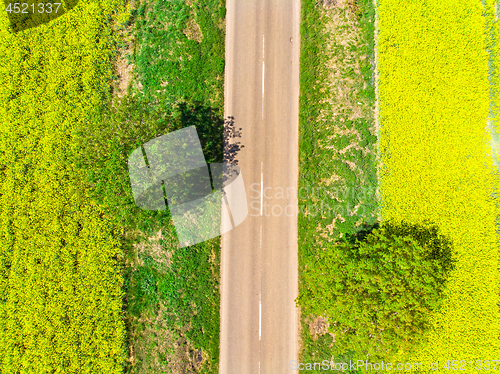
379 290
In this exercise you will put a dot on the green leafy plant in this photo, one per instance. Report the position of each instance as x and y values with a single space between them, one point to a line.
379 290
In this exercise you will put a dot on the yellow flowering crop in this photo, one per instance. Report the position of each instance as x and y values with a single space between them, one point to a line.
434 101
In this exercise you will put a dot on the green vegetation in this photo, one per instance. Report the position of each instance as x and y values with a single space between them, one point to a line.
180 52
172 293
436 173
60 277
337 152
379 289
182 284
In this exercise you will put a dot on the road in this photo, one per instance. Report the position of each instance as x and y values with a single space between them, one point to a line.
259 271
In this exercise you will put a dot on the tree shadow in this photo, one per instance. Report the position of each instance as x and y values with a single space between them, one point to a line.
426 235
363 231
218 136
231 147
209 126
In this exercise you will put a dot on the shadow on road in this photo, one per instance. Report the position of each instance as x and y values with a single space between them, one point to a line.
231 147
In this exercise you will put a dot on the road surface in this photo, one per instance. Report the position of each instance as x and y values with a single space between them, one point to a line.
259 272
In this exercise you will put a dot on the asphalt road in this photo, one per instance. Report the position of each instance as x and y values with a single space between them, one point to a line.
259 272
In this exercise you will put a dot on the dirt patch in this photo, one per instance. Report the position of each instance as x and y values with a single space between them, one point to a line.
331 226
329 181
192 30
342 64
351 5
318 327
329 3
154 247
122 67
124 71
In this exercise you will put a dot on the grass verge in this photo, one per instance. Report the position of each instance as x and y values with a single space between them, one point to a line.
337 147
434 104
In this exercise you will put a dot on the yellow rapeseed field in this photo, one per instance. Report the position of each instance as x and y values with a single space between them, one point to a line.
60 280
434 101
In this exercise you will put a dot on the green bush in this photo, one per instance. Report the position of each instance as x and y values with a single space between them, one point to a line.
379 289
112 134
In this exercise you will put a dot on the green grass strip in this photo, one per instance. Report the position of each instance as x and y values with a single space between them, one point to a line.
172 294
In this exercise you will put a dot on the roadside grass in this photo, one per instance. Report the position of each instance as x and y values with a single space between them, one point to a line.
430 50
337 146
170 75
175 59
